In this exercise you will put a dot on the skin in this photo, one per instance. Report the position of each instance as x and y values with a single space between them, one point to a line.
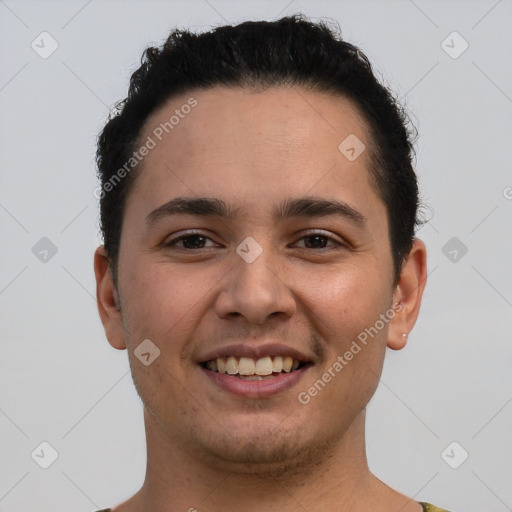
208 448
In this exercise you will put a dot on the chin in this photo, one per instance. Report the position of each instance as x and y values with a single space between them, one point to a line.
273 452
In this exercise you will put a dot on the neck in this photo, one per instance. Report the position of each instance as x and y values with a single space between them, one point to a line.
178 481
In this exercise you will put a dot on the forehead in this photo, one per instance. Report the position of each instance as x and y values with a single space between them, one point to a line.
256 147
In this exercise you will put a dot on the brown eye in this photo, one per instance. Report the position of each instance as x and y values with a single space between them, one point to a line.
190 241
320 241
316 241
193 242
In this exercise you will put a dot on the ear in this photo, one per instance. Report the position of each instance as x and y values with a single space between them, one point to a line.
407 295
108 300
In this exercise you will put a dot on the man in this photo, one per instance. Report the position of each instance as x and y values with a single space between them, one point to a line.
258 206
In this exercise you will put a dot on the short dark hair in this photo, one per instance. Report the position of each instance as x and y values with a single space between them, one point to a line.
291 51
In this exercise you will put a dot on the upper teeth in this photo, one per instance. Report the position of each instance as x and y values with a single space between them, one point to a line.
248 366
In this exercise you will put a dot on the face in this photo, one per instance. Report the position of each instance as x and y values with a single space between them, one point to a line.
285 261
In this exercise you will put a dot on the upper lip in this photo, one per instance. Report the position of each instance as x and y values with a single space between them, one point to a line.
255 352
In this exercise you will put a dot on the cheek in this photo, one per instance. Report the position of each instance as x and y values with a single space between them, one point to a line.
159 298
159 304
345 311
347 303
346 300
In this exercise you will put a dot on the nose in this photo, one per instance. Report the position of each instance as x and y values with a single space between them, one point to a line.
256 291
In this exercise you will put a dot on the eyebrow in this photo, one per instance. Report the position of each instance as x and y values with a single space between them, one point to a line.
212 207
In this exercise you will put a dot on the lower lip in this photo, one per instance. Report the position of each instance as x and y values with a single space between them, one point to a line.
255 388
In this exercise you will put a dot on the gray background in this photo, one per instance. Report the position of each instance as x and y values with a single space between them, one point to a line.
61 382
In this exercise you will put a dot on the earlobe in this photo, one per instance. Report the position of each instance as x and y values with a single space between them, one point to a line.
108 300
397 341
408 294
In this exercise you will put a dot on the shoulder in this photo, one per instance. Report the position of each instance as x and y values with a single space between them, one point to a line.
427 507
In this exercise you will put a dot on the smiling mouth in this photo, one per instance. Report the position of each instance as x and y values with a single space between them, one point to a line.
247 368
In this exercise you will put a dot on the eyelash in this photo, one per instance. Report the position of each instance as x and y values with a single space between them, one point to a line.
175 241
